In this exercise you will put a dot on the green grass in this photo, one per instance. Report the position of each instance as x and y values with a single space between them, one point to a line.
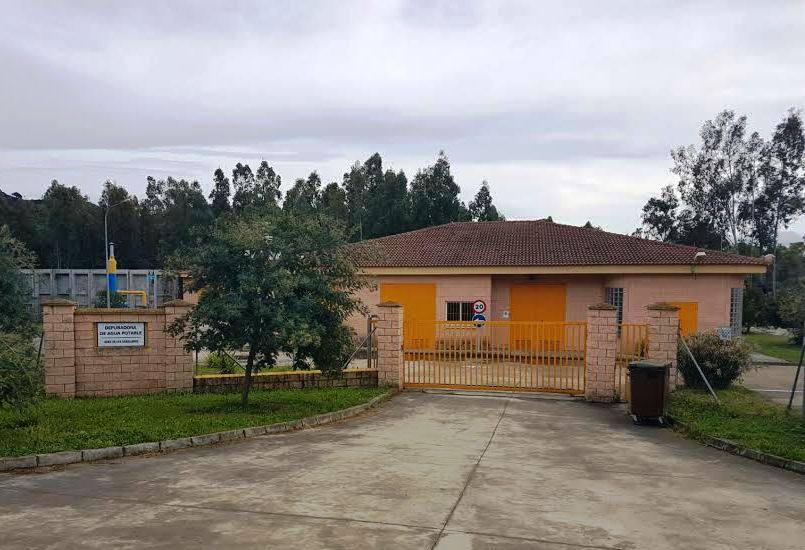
744 418
774 346
58 425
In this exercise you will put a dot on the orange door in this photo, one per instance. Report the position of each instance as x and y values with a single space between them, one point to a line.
537 302
688 316
419 311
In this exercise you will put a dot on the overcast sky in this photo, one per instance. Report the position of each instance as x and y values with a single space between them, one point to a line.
568 109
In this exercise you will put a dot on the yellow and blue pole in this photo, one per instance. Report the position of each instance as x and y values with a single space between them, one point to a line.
111 273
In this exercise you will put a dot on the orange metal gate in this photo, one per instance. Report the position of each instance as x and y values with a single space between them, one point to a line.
632 346
495 355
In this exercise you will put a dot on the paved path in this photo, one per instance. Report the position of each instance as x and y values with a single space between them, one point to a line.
424 471
774 383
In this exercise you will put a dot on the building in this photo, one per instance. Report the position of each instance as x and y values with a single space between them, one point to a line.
544 271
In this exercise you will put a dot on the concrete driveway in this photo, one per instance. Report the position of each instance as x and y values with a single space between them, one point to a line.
424 471
774 383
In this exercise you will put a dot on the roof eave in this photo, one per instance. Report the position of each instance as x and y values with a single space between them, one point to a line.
734 269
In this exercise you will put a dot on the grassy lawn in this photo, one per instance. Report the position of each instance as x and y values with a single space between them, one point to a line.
774 346
744 418
58 425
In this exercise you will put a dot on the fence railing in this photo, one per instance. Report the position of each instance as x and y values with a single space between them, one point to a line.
632 346
537 356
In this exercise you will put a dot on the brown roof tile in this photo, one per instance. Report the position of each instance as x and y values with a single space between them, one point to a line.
531 243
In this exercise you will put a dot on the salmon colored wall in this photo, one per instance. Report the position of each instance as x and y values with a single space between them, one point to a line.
712 292
449 288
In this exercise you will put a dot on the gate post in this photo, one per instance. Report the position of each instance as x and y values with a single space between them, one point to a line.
58 332
602 350
389 344
663 336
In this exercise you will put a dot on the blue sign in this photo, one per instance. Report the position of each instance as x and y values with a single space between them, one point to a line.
479 319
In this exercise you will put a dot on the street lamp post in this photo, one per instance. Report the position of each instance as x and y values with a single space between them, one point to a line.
106 246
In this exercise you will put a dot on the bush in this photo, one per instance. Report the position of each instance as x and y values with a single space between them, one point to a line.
20 373
334 350
722 361
15 288
791 302
115 300
222 363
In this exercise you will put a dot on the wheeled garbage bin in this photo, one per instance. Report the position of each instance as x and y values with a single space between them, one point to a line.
648 382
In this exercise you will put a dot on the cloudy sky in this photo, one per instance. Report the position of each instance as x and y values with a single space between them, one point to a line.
568 109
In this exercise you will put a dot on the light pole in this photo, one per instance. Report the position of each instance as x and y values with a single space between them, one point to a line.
106 246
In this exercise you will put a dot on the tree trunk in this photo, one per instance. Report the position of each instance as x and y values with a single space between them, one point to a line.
774 251
247 380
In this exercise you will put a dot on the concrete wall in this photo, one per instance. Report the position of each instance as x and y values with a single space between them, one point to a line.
75 366
712 292
82 285
226 383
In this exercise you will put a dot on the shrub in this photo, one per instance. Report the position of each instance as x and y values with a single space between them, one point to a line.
334 350
15 287
722 361
222 363
792 309
115 300
20 373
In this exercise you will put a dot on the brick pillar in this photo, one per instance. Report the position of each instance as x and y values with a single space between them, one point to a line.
602 349
389 344
179 366
58 331
663 331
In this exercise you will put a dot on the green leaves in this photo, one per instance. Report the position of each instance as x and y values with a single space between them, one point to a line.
274 280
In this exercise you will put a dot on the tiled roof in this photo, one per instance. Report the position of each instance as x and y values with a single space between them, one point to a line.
531 243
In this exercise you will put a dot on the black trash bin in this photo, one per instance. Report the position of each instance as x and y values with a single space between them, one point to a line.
648 382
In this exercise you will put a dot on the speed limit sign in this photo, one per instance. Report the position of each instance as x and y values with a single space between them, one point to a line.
478 306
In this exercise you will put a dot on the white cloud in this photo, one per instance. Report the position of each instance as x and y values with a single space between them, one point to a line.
568 109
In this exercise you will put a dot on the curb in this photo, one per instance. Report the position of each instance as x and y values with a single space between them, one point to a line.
739 450
205 440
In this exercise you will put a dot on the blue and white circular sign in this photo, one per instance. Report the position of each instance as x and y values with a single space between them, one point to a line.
479 319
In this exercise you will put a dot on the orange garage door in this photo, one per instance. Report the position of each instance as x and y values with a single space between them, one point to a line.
419 303
537 302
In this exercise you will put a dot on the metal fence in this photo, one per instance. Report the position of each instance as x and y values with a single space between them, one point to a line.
83 285
500 355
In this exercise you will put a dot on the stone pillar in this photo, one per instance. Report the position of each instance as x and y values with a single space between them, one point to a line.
602 349
58 332
179 366
663 336
389 344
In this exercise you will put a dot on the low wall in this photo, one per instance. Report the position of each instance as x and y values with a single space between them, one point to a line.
226 383
76 366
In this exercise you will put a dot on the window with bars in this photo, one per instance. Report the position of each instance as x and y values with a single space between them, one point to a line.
459 311
736 310
614 297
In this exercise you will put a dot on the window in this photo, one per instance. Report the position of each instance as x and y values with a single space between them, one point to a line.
736 310
459 311
614 297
